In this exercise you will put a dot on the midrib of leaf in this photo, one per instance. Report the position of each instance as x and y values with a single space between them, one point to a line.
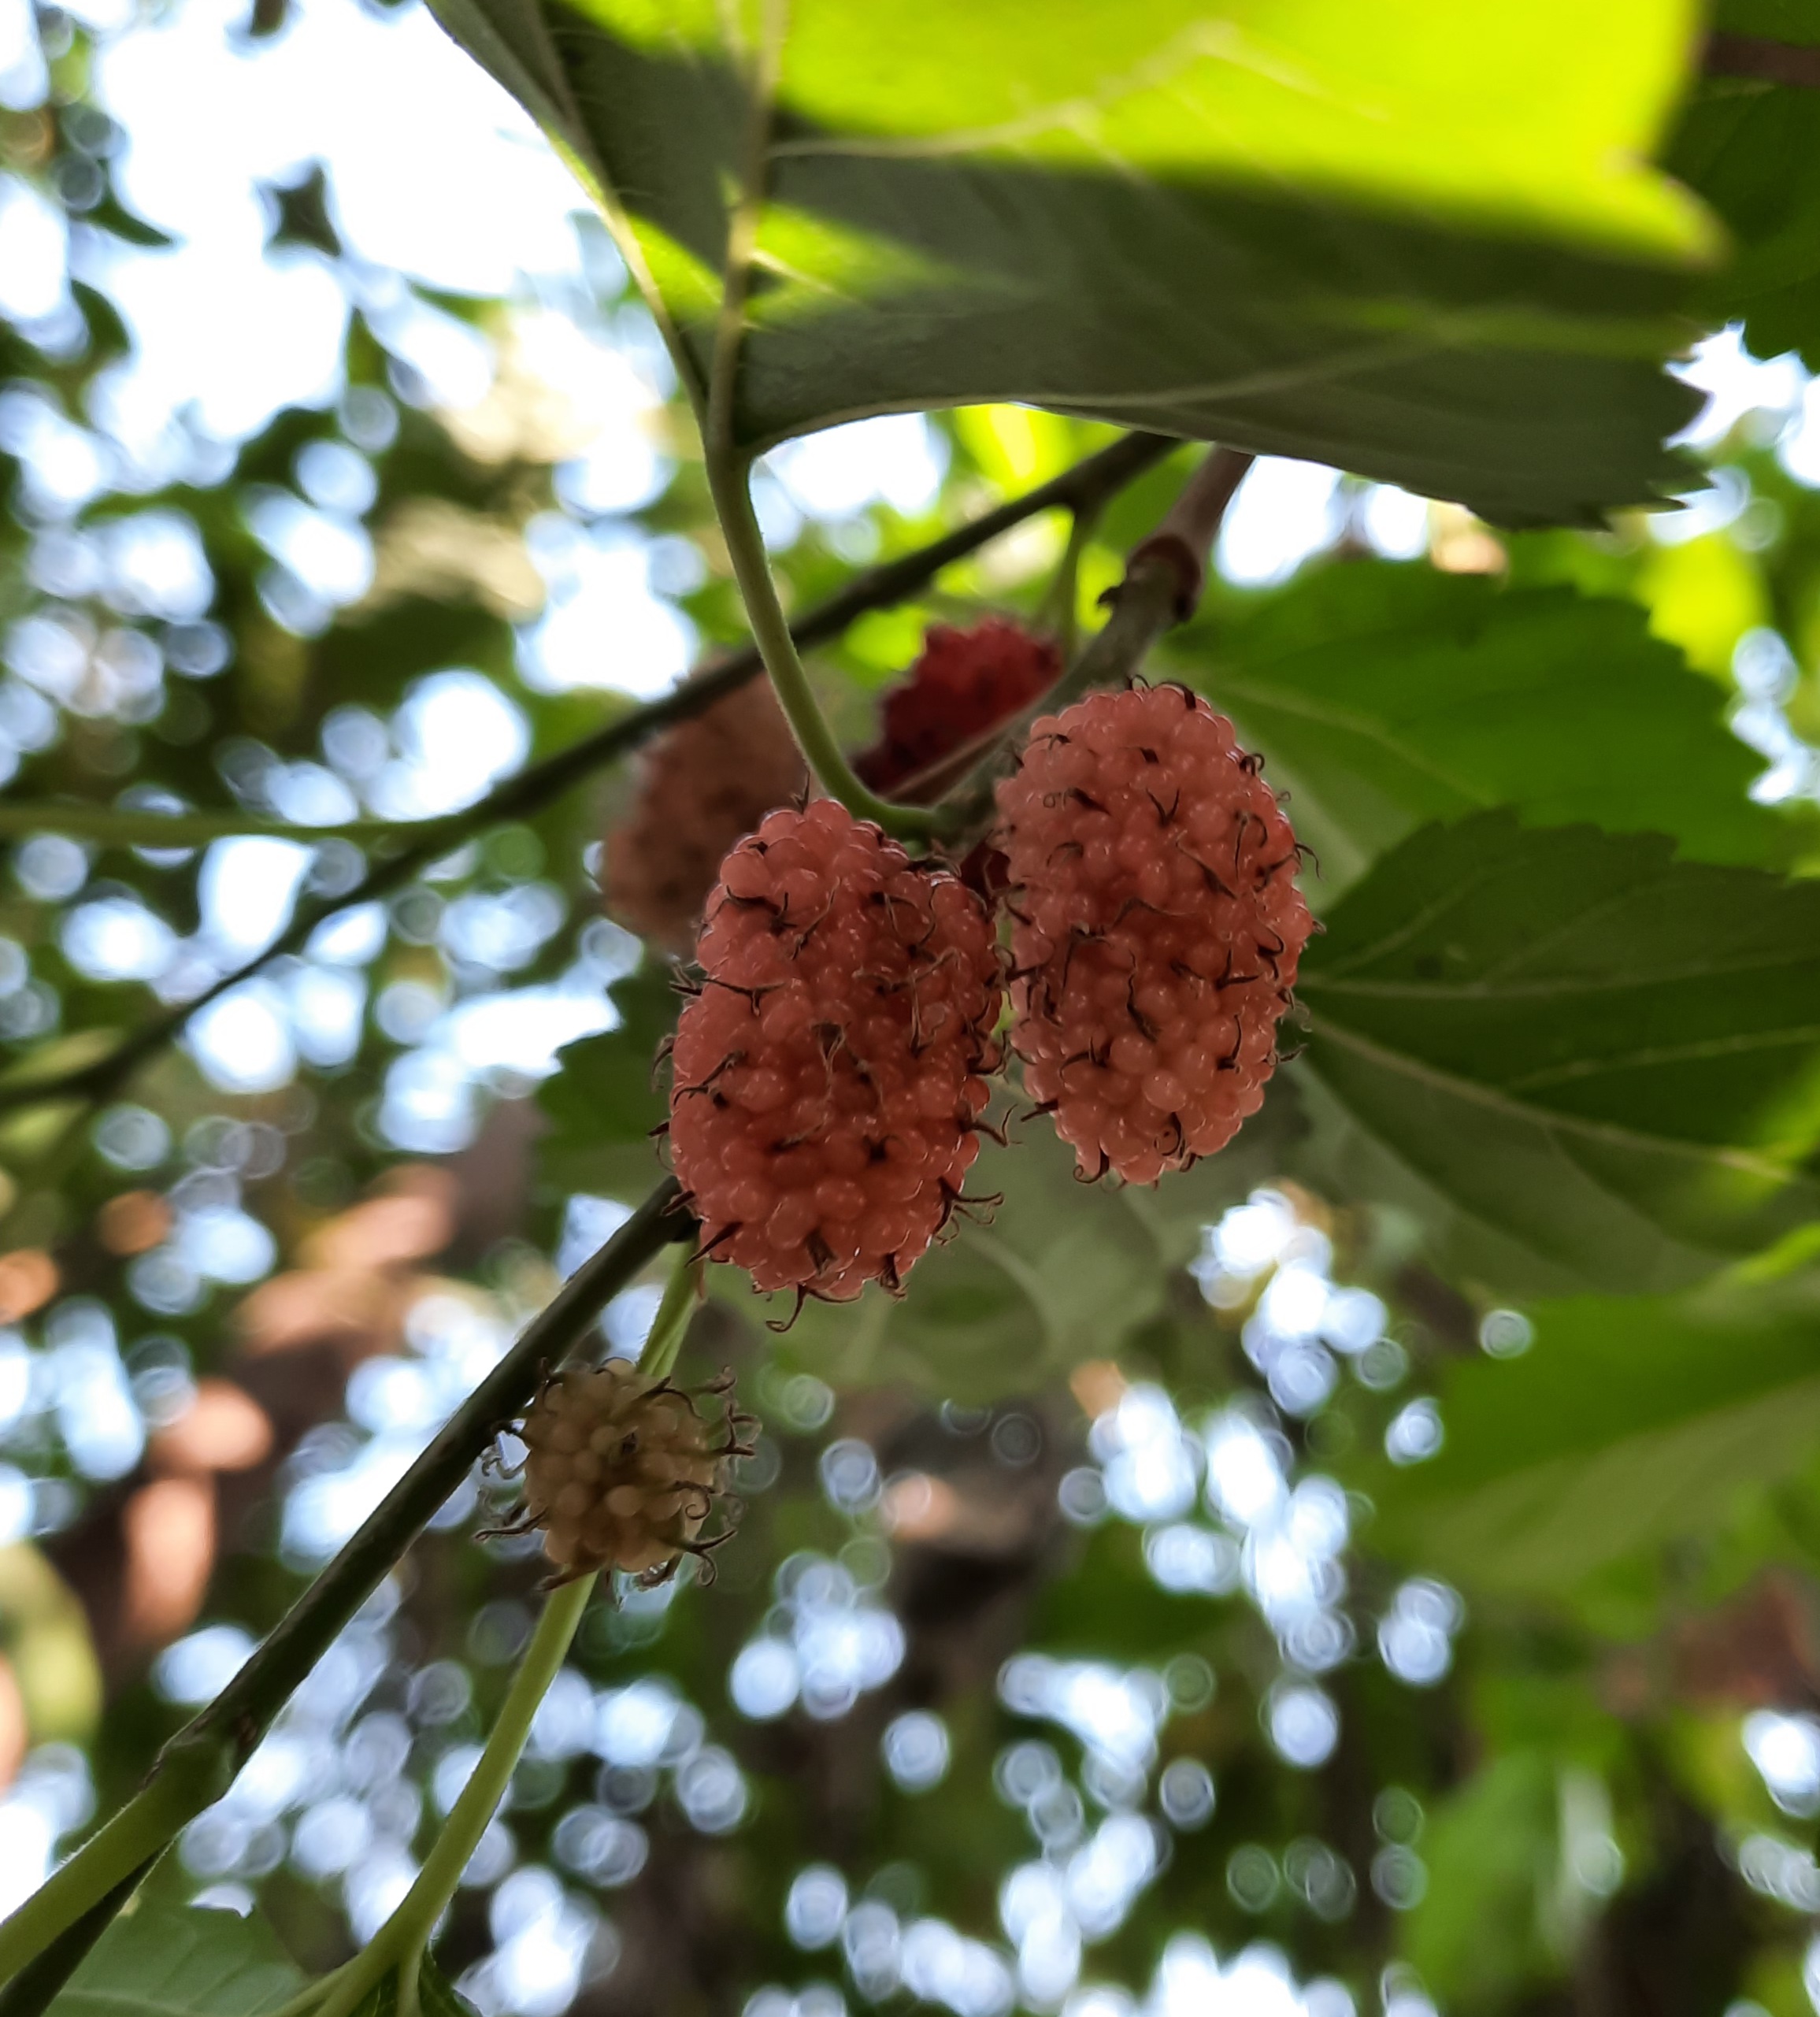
1374 731
1493 988
1667 1054
1332 368
1609 1134
1330 973
567 126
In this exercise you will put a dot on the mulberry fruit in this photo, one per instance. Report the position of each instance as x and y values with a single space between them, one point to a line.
620 1471
828 1073
965 683
1157 927
704 783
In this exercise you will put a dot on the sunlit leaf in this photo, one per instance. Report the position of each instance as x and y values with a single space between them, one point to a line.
1387 238
1387 696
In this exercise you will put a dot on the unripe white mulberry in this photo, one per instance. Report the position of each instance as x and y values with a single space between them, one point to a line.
621 1471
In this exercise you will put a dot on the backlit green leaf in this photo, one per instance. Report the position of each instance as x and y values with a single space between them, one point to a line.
606 1098
1751 146
1051 1273
1417 244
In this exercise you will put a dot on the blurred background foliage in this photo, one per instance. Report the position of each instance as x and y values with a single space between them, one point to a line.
1228 1592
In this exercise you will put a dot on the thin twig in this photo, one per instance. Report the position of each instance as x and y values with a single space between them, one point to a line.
1098 477
127 826
256 1693
1161 585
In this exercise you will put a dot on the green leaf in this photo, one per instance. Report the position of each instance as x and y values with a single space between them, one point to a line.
1490 1848
607 1098
1751 148
164 1961
1055 1273
1387 696
437 1995
1627 1424
1583 1063
1420 248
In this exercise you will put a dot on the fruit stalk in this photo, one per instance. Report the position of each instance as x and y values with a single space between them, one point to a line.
1162 582
771 632
399 1945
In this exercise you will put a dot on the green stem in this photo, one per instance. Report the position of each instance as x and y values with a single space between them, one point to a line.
402 1939
771 632
191 1776
729 468
671 1324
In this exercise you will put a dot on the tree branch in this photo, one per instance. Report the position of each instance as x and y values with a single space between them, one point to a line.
1088 484
1794 64
125 826
196 1767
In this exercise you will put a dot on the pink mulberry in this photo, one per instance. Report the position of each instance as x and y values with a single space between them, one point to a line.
828 1074
704 784
1158 928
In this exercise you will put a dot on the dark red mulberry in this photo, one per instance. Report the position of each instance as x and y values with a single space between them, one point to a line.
828 1075
1158 928
965 683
